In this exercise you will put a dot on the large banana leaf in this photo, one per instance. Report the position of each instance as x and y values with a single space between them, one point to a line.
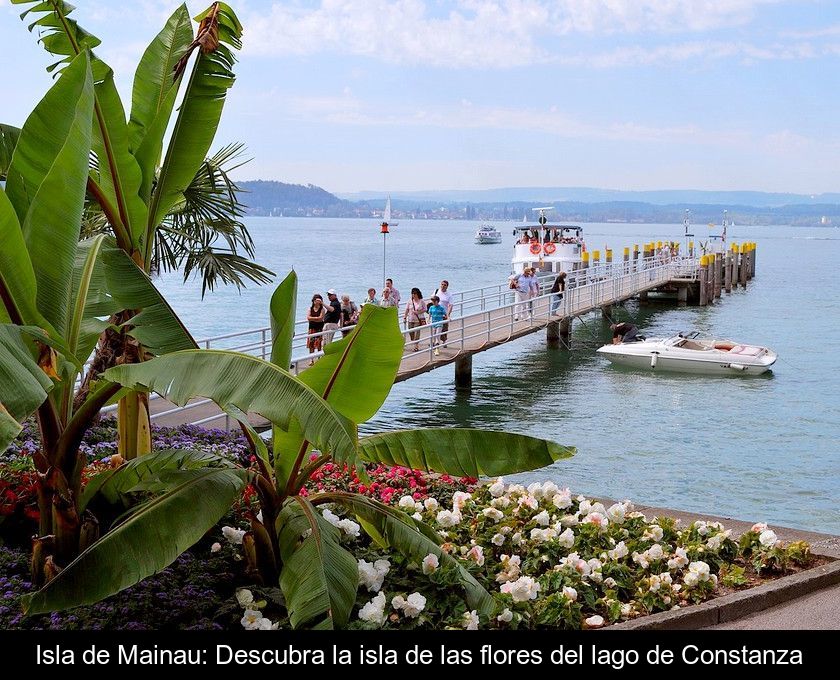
114 485
155 90
23 384
17 277
199 114
391 528
462 451
355 376
8 140
46 185
107 281
146 542
282 313
319 578
248 383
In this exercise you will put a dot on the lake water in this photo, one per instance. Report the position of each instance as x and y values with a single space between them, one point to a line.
763 449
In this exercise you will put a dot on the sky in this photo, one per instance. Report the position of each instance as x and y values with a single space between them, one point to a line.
355 95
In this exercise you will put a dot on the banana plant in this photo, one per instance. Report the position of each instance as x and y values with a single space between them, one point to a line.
135 182
315 418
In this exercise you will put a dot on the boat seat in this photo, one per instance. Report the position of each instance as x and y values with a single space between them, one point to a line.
725 346
746 350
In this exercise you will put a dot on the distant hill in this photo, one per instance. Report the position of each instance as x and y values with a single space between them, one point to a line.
539 195
590 205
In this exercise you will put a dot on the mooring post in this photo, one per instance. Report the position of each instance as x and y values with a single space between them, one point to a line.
463 372
752 259
718 273
565 330
635 258
627 259
682 295
727 272
754 248
744 265
691 248
704 278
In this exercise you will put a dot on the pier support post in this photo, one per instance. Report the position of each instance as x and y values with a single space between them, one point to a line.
752 260
463 372
704 280
718 273
635 258
552 334
682 296
606 312
565 331
643 296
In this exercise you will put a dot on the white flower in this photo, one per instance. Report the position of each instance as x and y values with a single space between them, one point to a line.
641 559
406 502
500 502
510 568
566 539
529 502
542 518
610 582
549 489
701 569
417 516
349 527
615 513
702 527
542 535
599 508
570 593
244 597
414 604
493 514
584 507
459 499
331 517
506 616
372 575
714 542
216 547
430 564
679 560
691 579
619 552
562 499
431 504
535 489
655 553
374 611
498 539
759 527
251 619
516 539
497 488
448 518
569 520
594 621
471 620
476 554
654 583
574 561
595 564
767 538
597 519
666 578
626 610
233 536
523 589
654 532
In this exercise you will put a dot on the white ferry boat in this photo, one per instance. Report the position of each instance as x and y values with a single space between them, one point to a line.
548 248
488 234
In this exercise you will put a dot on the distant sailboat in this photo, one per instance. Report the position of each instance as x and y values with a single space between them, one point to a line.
386 217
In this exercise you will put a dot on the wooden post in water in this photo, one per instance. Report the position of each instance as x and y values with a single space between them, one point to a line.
606 313
754 248
718 273
744 265
565 330
682 295
704 278
752 259
635 258
463 372
727 272
552 334
627 259
691 248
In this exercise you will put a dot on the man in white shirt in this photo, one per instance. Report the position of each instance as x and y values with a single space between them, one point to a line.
445 302
395 294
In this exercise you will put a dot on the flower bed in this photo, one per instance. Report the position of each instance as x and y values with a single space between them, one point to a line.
549 559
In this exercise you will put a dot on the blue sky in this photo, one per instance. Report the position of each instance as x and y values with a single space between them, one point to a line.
425 94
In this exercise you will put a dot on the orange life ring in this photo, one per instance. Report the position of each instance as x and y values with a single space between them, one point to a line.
549 248
535 248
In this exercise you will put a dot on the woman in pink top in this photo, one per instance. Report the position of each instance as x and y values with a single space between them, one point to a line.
415 315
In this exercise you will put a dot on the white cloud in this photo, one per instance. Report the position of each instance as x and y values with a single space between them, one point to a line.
476 33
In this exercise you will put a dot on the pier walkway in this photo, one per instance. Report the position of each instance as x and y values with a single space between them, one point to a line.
481 319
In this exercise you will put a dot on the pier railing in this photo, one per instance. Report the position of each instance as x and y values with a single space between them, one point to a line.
480 317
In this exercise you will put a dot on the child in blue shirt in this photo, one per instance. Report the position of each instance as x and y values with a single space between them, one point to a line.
437 314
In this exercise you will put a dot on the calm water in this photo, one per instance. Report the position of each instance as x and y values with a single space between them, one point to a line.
753 448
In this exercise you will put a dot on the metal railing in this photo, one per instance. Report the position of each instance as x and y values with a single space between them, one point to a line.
480 317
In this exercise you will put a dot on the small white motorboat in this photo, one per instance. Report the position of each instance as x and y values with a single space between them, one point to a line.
488 234
692 353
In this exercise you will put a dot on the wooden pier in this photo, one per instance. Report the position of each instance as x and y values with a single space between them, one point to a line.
489 317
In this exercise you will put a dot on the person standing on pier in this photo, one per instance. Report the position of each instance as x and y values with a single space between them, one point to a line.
332 317
557 289
315 317
437 314
387 300
445 302
534 290
415 315
523 293
371 298
349 314
395 294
